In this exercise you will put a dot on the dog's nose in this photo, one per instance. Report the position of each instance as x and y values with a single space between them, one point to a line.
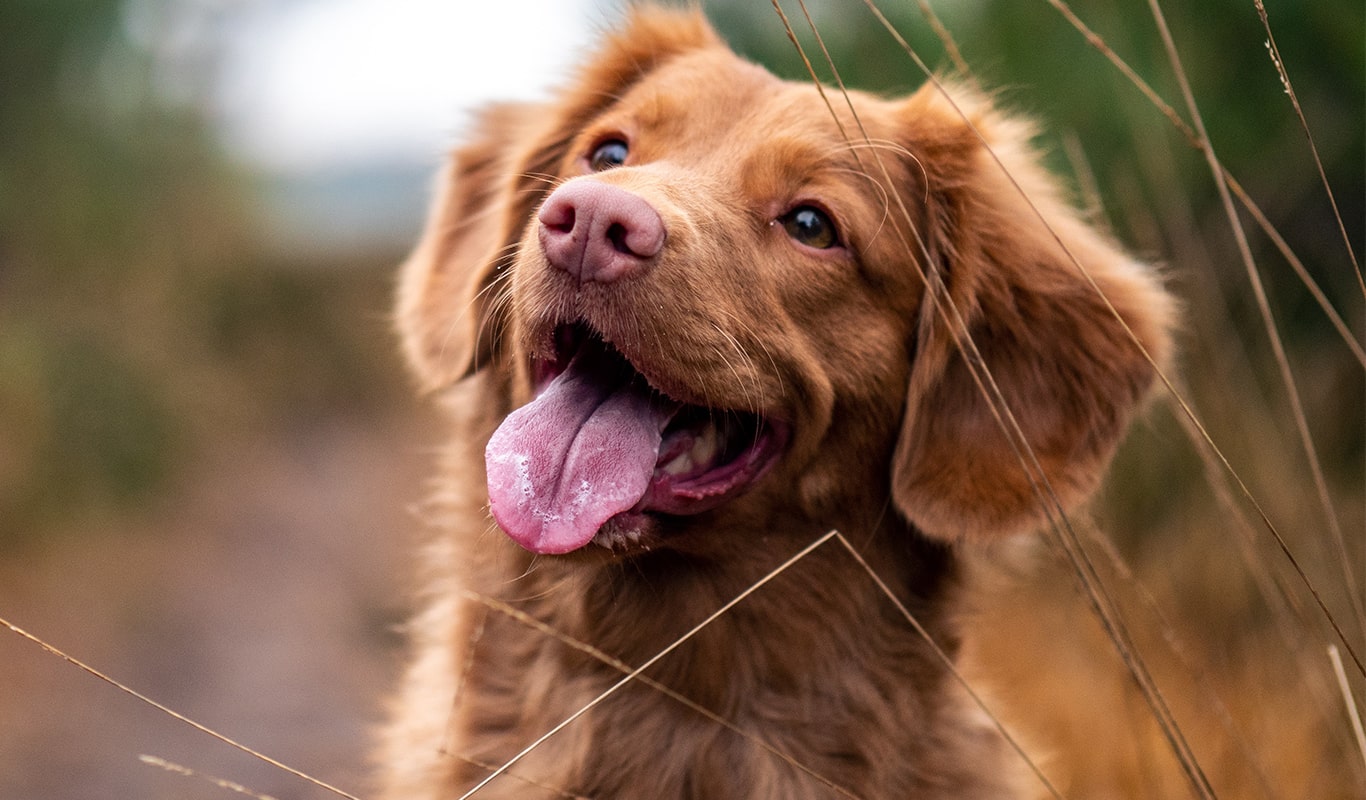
598 232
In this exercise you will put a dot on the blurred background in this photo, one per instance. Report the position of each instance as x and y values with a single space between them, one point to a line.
209 452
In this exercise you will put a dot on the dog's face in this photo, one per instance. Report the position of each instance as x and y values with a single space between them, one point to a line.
714 292
684 298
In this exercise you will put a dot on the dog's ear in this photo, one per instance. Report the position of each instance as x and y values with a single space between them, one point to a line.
446 315
1070 374
449 312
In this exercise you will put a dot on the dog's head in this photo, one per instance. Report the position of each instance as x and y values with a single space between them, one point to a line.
712 290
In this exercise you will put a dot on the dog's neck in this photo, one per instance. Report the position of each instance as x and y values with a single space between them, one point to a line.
604 601
808 663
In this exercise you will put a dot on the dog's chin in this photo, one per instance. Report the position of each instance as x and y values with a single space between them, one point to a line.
629 533
702 459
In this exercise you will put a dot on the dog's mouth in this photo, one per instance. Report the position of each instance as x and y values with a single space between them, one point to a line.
599 447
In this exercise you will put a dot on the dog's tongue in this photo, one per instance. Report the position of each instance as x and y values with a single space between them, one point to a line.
583 451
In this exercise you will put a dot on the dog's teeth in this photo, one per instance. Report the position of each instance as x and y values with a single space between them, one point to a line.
704 449
682 463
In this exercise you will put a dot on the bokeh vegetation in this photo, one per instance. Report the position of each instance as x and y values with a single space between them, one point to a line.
142 317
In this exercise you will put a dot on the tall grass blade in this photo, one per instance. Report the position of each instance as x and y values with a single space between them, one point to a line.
1348 700
1165 108
1264 307
526 619
1100 601
1275 53
222 783
614 688
172 713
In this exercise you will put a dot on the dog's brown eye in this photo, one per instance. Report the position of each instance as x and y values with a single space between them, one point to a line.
810 226
611 153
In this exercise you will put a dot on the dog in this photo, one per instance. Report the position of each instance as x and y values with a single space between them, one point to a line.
686 318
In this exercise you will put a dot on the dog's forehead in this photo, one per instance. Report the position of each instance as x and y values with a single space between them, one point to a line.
726 110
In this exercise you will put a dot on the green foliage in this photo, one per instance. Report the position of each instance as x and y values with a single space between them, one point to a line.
139 322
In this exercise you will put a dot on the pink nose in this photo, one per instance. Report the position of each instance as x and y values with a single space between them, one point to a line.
598 232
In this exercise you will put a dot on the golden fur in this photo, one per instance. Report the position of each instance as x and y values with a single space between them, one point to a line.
891 439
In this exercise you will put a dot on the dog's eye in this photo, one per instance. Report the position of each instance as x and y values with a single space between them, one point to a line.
811 227
611 153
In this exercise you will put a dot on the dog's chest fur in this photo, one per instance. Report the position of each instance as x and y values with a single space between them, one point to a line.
781 704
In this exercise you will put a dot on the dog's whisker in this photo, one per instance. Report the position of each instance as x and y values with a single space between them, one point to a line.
884 203
493 289
549 179
757 401
554 587
754 394
751 335
882 145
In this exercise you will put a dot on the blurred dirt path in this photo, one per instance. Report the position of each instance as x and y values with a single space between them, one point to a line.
261 601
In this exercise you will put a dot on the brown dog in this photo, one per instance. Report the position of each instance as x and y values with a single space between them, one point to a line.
688 318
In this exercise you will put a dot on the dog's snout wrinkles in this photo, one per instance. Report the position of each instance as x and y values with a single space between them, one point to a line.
598 232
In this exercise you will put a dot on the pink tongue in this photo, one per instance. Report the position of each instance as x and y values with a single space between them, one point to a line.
583 451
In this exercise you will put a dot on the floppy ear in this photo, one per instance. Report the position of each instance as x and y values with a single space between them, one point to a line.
446 315
1070 374
449 313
